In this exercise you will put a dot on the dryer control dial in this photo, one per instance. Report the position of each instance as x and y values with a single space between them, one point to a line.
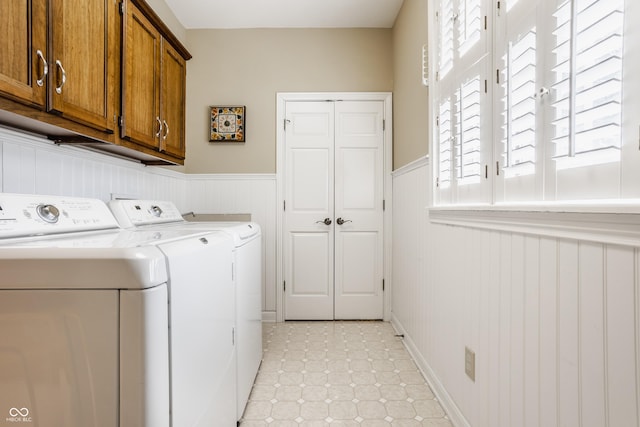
155 210
48 213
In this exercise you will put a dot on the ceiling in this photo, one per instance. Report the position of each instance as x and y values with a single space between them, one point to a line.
194 14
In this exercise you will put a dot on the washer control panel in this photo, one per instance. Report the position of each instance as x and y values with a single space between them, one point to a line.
135 213
30 215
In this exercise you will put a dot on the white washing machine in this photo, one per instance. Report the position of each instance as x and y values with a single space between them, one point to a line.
101 327
146 214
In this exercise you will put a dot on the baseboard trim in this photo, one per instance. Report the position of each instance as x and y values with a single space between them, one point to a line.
453 412
268 317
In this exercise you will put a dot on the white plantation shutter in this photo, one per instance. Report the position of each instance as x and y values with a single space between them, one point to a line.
511 4
460 92
468 144
445 37
588 82
445 136
518 87
517 101
563 120
469 19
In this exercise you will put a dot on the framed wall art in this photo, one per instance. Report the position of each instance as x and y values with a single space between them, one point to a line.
228 124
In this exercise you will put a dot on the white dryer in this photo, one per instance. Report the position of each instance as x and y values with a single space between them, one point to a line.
247 237
101 327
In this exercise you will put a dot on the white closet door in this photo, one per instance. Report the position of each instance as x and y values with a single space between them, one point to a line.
308 241
359 163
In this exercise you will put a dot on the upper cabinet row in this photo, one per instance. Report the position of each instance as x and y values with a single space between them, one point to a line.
102 73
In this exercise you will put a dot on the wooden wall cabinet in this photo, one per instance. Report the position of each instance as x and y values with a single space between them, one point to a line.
153 83
60 56
78 71
23 51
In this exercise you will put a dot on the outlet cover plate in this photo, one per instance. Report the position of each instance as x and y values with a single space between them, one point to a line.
470 363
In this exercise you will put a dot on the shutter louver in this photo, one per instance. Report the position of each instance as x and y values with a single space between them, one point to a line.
468 167
469 25
445 51
588 82
519 106
444 143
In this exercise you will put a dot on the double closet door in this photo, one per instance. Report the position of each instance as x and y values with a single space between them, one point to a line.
333 218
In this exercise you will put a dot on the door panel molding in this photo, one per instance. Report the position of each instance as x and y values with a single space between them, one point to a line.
366 129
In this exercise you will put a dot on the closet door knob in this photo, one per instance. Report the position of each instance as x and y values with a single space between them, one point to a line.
341 221
326 221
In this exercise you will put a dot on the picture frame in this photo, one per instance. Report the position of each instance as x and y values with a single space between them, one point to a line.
227 123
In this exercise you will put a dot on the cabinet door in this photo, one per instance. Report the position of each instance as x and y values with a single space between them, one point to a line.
141 80
173 101
82 61
23 49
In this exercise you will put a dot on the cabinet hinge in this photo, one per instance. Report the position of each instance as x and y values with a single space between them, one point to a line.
121 121
498 168
498 76
384 124
498 6
284 285
437 120
486 171
485 22
486 88
382 285
122 8
437 181
284 205
384 204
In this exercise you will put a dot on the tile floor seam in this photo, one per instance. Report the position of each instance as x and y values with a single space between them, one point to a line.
339 374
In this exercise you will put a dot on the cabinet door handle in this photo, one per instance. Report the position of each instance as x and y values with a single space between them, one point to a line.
45 68
159 127
166 126
63 79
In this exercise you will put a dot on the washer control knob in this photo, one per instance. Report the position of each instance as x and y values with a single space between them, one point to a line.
48 213
155 210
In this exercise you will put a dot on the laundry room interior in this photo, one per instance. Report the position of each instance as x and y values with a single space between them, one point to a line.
446 193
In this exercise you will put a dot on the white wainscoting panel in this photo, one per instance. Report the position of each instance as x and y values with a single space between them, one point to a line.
34 165
554 321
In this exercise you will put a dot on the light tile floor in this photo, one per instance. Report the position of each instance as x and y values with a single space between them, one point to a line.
317 374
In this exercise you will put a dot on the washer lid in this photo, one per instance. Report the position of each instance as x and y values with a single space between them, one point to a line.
118 259
80 261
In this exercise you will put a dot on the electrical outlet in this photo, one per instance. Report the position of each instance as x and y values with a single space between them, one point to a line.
470 363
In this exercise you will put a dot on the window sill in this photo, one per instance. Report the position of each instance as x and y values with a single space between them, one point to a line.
611 223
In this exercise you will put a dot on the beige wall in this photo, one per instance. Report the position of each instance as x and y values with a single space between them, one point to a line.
248 67
410 103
